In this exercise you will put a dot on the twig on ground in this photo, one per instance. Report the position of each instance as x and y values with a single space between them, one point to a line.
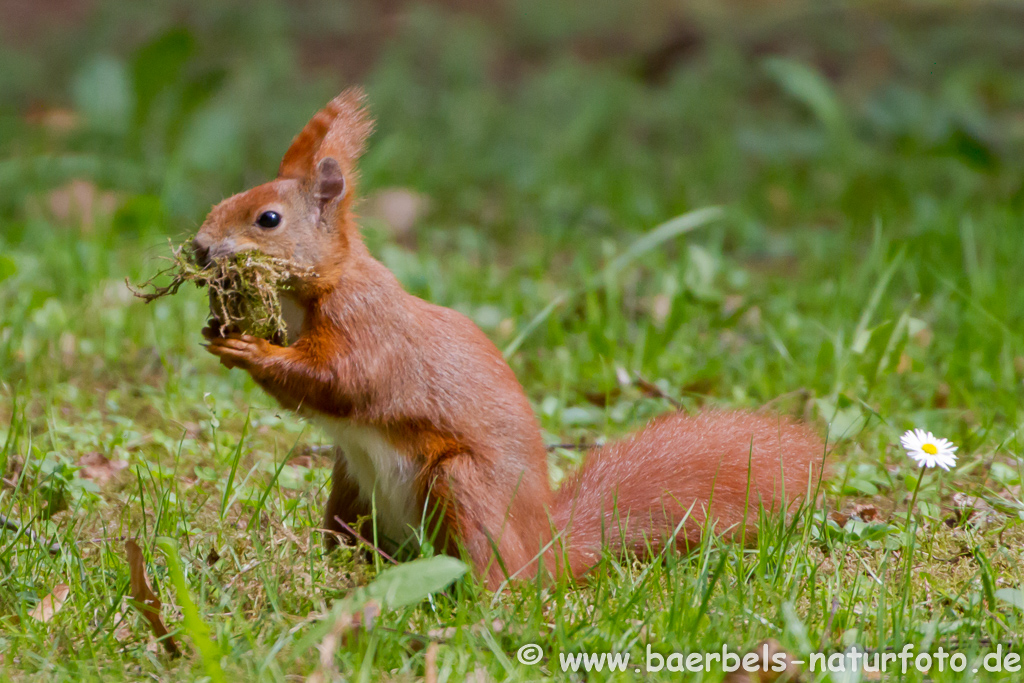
362 540
652 389
7 523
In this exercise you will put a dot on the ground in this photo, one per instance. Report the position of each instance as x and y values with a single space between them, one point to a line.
861 277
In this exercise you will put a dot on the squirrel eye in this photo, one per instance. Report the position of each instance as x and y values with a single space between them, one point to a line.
269 219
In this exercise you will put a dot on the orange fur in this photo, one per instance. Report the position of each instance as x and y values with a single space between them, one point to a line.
633 494
428 403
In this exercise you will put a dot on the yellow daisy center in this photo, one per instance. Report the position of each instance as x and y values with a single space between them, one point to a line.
929 448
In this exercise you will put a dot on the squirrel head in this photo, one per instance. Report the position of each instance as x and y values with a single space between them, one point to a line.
304 215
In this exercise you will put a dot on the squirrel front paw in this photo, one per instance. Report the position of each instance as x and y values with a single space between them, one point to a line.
240 350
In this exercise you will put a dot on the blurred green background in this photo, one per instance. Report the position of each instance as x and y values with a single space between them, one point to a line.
521 145
868 157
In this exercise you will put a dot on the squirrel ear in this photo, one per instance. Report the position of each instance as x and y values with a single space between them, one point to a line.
330 181
345 139
339 130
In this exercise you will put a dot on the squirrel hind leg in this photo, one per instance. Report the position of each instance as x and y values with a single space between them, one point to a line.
344 507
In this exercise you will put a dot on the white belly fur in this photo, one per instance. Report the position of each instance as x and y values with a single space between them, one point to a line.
293 318
385 476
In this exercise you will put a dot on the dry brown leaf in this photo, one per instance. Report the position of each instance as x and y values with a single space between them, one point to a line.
56 120
732 304
81 200
971 509
399 208
122 630
905 365
345 625
867 513
430 664
445 633
309 461
924 337
327 648
767 651
350 626
51 604
370 614
144 599
840 518
99 468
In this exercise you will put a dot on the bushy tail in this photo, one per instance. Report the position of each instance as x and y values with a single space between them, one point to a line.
632 494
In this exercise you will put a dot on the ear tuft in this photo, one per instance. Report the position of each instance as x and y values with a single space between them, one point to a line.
330 181
345 140
338 130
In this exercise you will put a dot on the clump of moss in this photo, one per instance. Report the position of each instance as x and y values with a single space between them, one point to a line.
244 289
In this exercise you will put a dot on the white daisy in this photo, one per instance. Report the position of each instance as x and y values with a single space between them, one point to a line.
928 450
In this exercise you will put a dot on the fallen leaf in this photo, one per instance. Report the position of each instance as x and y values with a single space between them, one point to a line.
770 656
924 336
56 120
212 557
866 512
81 200
327 648
430 664
732 304
51 604
971 510
905 365
370 613
94 465
397 207
122 630
67 345
840 518
446 633
144 599
347 624
309 461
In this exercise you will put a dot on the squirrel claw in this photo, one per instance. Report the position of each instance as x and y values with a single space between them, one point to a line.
239 350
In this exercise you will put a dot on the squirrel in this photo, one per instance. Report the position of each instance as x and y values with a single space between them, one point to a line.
432 425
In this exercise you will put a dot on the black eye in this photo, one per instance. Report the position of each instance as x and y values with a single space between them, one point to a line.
269 219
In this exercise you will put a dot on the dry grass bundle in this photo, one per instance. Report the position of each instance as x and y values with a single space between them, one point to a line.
244 289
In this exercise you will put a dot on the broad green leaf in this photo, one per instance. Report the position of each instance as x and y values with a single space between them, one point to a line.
807 86
1014 596
411 582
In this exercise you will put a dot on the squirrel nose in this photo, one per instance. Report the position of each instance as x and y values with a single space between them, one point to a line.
202 253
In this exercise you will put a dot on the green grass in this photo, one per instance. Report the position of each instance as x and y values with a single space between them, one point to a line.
862 276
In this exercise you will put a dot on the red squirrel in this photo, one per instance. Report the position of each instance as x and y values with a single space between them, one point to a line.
430 421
